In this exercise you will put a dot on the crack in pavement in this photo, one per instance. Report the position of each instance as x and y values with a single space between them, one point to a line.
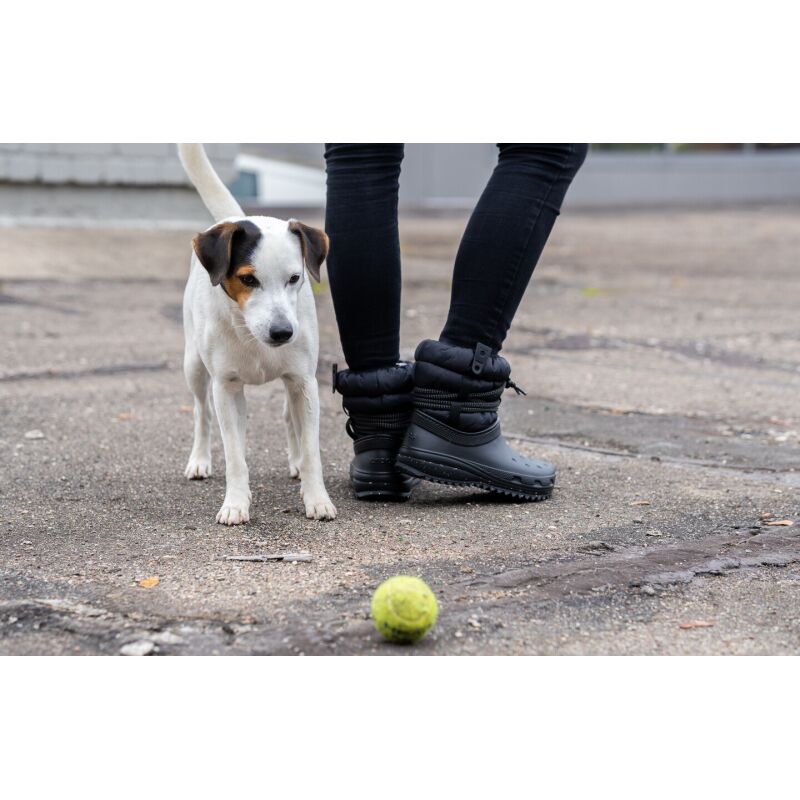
681 563
595 363
785 477
73 374
12 300
686 350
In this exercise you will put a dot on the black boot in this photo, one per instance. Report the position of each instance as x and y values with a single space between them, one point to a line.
454 436
378 404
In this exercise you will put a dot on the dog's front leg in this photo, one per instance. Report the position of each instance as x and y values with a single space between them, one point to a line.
231 412
292 439
197 378
303 394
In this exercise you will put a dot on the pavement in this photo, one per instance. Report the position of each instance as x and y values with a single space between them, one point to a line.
661 355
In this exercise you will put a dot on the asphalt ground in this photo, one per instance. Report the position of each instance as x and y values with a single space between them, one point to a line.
661 355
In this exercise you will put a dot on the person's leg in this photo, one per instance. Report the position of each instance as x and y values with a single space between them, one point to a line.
364 271
505 237
454 436
364 257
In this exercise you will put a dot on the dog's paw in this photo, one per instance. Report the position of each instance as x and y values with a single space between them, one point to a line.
319 507
198 468
231 514
294 471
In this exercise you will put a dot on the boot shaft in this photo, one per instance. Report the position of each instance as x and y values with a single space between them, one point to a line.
459 386
376 401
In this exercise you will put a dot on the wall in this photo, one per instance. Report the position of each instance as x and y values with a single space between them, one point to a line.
104 164
111 182
453 176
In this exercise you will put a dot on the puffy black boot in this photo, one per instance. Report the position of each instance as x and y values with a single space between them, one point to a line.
378 405
454 436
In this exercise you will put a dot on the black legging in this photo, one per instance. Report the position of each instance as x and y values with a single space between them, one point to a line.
502 243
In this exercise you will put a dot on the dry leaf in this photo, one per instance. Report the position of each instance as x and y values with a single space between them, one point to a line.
640 503
784 423
126 416
786 523
185 409
696 623
149 583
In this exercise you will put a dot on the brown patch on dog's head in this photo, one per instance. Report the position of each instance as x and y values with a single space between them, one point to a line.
235 286
313 244
226 247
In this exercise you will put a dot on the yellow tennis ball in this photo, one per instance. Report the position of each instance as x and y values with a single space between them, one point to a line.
404 608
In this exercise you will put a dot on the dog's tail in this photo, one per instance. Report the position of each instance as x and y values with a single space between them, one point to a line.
213 192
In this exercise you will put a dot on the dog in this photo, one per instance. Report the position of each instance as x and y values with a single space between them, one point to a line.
249 317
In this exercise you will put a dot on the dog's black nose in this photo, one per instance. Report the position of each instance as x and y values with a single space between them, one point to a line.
280 332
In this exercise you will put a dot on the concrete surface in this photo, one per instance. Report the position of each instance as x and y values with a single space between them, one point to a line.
661 354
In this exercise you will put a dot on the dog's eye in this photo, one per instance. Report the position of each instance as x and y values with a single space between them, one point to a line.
294 279
249 280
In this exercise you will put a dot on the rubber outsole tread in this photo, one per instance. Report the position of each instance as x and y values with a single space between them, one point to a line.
385 496
366 489
543 494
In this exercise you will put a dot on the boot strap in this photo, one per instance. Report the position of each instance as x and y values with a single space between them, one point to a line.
453 435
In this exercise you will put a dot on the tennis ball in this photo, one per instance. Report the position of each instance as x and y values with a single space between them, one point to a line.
404 608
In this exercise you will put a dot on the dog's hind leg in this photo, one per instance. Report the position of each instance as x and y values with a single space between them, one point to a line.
303 395
292 439
197 378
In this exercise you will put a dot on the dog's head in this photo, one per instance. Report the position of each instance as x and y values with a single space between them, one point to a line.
262 264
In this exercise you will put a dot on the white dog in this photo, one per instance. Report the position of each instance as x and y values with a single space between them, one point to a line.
249 317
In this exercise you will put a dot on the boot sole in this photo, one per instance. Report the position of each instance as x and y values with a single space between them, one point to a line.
437 468
369 486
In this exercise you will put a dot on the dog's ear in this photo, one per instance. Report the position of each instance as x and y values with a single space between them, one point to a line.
313 244
214 247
